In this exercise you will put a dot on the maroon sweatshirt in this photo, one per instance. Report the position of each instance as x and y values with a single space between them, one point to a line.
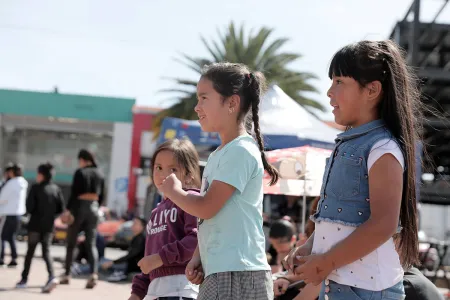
172 234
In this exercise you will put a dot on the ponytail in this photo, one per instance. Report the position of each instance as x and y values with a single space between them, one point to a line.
255 87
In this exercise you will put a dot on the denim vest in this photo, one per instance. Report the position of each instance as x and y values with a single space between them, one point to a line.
344 197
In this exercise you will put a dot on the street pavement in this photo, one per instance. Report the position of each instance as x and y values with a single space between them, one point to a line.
38 276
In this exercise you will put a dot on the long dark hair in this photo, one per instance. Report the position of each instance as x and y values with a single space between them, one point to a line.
230 79
401 110
185 154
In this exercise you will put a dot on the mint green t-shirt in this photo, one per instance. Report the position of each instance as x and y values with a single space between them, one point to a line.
233 240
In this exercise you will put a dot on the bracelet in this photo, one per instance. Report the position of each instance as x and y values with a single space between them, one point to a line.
285 278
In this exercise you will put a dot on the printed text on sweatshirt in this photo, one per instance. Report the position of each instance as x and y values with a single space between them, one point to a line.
172 234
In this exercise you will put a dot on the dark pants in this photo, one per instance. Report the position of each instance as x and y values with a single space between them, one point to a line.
85 219
33 239
99 244
9 233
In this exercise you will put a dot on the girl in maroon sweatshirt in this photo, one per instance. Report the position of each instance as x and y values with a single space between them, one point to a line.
171 233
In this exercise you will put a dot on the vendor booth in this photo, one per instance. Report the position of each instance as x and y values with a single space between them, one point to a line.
301 170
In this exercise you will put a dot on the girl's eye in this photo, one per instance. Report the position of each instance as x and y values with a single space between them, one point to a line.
338 81
173 170
158 168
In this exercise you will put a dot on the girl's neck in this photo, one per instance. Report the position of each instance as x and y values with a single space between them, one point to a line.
365 120
230 134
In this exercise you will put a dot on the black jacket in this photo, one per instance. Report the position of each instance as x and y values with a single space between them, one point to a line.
136 251
418 287
44 203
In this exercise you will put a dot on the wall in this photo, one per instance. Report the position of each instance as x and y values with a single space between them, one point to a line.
120 168
36 127
141 123
106 109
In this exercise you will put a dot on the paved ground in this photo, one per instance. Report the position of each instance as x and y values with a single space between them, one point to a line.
75 291
38 277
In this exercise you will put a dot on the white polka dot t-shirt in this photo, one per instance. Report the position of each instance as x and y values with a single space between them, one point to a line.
380 269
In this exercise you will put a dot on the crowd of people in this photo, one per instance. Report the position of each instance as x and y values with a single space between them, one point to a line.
205 239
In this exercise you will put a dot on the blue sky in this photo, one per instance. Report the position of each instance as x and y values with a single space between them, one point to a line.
125 48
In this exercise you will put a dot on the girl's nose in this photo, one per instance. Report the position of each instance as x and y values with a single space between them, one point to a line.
329 93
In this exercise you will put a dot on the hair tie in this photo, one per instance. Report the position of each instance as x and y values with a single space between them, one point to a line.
250 78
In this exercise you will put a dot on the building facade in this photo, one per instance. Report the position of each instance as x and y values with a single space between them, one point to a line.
37 127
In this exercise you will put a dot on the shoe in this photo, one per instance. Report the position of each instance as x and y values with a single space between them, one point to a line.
92 281
117 277
50 285
21 284
12 264
64 279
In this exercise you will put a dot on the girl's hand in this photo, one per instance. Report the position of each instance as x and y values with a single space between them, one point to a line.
290 262
194 271
134 297
280 286
170 184
149 263
313 268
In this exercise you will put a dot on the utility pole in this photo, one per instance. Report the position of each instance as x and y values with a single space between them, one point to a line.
413 38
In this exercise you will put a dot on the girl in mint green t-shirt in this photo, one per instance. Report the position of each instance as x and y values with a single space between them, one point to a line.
230 260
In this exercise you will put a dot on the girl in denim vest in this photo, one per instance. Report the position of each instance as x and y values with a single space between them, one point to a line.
368 196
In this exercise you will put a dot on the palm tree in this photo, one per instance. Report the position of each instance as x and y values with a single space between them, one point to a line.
254 50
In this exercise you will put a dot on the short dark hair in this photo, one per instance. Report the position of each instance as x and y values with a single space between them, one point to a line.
16 168
46 170
142 220
281 229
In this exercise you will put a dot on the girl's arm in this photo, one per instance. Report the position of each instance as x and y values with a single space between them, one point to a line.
237 166
140 285
303 250
385 192
204 207
196 254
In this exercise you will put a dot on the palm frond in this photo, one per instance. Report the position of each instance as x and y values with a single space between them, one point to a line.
257 50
